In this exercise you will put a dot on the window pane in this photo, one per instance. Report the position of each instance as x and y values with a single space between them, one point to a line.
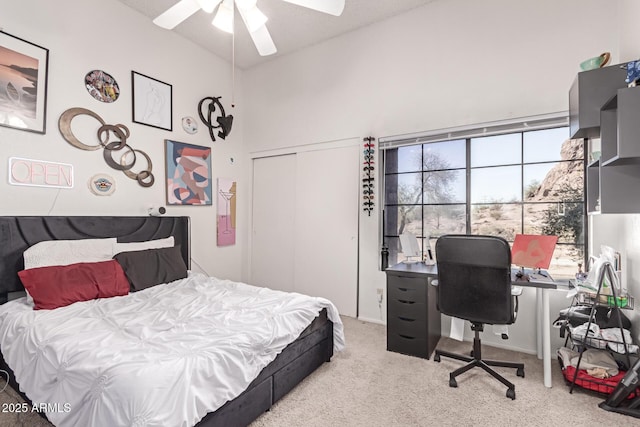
450 219
565 260
393 243
504 220
445 187
496 150
544 145
405 188
445 155
410 158
403 218
565 220
498 184
551 182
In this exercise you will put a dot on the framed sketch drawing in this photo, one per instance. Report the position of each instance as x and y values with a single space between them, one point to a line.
188 173
23 84
152 101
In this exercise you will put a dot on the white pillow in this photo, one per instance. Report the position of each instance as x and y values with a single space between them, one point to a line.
65 252
141 246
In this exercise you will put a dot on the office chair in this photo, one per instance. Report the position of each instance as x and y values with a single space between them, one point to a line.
474 283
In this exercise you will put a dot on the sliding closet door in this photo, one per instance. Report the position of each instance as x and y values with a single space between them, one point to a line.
326 237
272 242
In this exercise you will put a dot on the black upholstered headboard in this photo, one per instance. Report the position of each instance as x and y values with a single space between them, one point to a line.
17 233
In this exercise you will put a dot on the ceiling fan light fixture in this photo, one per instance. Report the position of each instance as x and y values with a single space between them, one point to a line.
246 4
208 5
224 18
254 19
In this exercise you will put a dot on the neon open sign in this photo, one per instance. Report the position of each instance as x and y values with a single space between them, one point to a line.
39 173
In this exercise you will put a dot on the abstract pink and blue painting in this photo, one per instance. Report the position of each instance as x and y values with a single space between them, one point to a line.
188 174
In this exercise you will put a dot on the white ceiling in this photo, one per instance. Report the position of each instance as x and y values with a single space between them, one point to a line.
292 27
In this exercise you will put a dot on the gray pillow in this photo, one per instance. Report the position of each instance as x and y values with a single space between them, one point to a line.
152 267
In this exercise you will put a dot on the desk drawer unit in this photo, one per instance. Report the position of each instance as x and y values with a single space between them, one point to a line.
413 321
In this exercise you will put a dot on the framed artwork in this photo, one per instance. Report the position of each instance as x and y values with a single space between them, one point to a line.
188 173
226 212
152 101
102 86
23 84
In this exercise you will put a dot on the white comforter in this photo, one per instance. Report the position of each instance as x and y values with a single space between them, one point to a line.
164 356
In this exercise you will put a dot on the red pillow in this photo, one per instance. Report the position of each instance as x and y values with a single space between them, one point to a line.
61 285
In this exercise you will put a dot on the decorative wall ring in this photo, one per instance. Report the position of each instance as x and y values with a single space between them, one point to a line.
121 131
108 156
145 174
64 123
144 177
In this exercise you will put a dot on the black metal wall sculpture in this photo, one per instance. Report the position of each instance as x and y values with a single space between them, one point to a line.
128 158
224 122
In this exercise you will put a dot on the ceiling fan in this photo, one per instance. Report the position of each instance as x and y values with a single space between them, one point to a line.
253 18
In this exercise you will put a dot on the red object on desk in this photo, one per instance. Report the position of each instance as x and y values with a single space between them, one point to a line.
533 251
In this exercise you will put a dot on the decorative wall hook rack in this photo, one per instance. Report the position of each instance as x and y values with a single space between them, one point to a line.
368 175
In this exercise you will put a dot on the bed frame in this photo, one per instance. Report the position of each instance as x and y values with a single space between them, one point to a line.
313 347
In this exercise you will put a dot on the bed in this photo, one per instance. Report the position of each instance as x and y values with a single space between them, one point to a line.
316 332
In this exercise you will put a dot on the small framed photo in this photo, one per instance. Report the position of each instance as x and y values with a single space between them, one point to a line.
23 84
152 102
188 174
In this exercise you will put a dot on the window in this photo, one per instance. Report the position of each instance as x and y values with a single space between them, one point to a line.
515 183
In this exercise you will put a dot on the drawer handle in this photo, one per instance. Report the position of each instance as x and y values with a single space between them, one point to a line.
406 319
403 289
407 337
406 302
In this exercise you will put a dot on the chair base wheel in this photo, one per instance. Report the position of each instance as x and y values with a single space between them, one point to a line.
453 382
520 372
511 393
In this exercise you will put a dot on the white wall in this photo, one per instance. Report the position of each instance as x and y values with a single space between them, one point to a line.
622 232
83 35
449 63
446 64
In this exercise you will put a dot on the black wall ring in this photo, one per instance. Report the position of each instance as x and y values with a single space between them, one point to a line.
64 124
121 131
145 174
112 163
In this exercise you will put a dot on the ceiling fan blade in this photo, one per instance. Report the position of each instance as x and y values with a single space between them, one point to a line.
262 39
332 7
177 13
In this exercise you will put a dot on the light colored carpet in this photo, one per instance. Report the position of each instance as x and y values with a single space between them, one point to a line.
368 386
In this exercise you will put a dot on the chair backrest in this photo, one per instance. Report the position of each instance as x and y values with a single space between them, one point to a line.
474 278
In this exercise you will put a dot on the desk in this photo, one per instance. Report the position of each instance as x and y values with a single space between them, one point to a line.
543 329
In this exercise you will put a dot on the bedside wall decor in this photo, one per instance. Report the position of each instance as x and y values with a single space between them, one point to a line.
127 156
226 212
102 86
189 125
152 102
102 184
188 170
23 84
223 121
40 173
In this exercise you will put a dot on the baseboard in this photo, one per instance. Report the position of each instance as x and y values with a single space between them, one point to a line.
366 319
